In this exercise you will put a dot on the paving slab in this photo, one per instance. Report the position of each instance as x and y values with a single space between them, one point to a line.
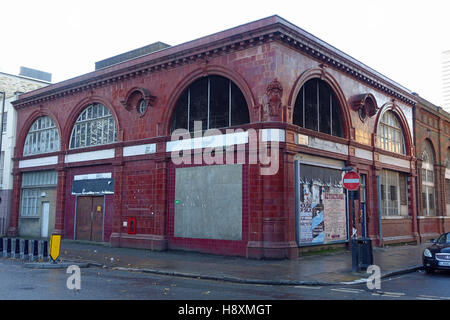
317 269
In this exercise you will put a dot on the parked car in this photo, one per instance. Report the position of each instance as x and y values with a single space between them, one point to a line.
437 256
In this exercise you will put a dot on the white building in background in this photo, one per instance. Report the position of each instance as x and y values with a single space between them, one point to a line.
13 85
446 80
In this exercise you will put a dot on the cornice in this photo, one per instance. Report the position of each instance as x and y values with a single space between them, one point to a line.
332 57
202 50
201 53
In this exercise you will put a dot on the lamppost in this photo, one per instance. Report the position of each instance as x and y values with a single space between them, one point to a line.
3 114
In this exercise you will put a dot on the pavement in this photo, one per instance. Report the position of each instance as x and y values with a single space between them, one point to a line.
309 269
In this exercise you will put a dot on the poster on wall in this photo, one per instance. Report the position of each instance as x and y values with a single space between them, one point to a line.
321 211
335 217
305 222
322 223
311 216
311 223
317 225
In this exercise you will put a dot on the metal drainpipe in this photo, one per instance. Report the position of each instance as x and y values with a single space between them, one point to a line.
440 184
380 211
414 112
1 126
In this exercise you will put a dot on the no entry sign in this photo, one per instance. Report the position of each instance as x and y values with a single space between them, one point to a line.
351 181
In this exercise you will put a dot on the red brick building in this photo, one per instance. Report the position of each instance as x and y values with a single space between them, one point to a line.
432 127
277 97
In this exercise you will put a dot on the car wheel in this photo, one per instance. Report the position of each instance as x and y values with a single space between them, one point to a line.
429 270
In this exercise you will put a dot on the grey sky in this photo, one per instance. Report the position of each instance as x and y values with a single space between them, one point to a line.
401 39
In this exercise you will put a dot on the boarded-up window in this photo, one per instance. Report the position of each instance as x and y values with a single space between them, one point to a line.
208 202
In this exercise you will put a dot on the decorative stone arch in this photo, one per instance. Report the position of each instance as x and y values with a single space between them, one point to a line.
322 74
76 111
205 71
41 112
136 94
391 106
447 156
365 104
433 150
428 186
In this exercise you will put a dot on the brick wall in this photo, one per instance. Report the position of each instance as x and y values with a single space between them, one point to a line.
144 184
432 125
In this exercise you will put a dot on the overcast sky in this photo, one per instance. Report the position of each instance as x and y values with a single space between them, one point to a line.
401 39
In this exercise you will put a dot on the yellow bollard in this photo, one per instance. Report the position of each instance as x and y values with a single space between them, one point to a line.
55 246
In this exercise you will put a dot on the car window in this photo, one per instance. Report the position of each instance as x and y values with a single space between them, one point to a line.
444 239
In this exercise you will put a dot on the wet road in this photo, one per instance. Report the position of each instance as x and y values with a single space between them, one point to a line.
18 282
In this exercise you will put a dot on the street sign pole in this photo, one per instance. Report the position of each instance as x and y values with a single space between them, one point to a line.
354 240
351 182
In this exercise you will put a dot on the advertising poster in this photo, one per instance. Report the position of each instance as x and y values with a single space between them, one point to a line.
335 217
311 223
321 205
317 225
305 223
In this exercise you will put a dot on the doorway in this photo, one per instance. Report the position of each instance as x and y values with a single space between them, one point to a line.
45 219
363 202
89 218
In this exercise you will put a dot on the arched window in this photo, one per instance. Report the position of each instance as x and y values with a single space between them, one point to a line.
94 126
428 188
447 184
390 134
43 137
318 109
214 100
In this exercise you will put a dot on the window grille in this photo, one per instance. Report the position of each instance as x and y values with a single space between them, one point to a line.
394 192
317 108
389 134
428 187
43 137
94 126
215 101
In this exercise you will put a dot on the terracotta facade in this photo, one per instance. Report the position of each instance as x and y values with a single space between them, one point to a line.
432 128
269 61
